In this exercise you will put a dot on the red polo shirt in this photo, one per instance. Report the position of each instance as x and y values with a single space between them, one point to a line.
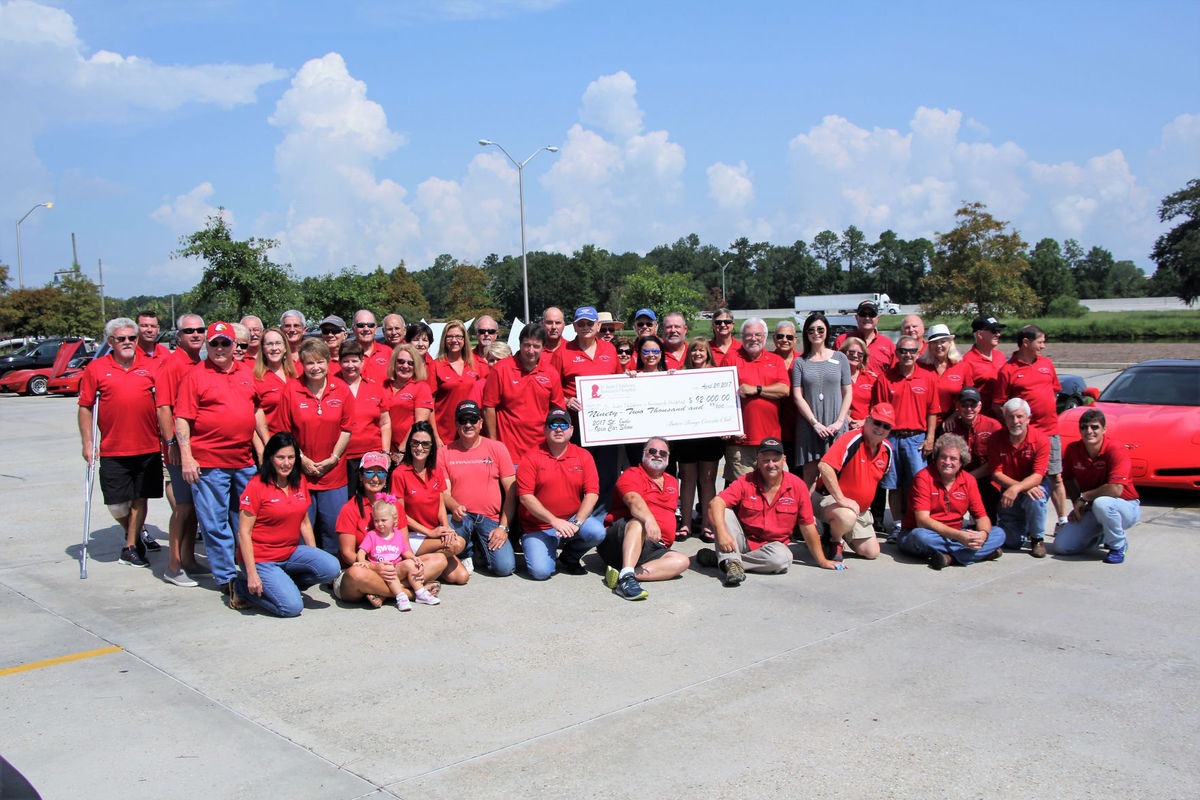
949 384
1037 384
522 400
268 393
913 397
402 405
670 360
277 516
318 423
1111 465
718 354
760 415
220 407
765 522
450 390
127 417
572 361
154 359
369 405
881 351
662 502
863 386
169 375
984 372
375 365
947 506
422 497
977 436
558 483
858 471
475 474
1019 461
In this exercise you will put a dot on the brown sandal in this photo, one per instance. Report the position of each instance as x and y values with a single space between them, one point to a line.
236 601
375 600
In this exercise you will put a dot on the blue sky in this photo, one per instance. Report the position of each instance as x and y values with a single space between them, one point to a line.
349 131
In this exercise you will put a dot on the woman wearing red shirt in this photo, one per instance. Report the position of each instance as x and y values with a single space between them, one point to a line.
949 370
862 379
419 482
273 369
455 373
317 410
370 423
275 538
408 395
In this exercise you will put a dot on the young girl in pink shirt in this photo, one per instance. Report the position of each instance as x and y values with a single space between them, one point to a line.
387 543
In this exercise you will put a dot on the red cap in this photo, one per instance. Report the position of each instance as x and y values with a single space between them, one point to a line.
883 412
220 330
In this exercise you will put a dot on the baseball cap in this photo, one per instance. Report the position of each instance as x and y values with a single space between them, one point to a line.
770 445
586 312
558 415
333 320
467 408
938 331
867 308
220 330
374 459
990 323
645 312
970 393
883 412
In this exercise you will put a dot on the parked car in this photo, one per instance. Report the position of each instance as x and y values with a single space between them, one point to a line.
1073 392
36 355
1154 409
68 382
36 380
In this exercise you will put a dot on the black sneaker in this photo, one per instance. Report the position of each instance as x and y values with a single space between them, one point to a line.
150 542
706 557
131 557
629 588
570 566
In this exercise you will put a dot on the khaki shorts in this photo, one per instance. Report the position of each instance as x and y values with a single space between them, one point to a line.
864 523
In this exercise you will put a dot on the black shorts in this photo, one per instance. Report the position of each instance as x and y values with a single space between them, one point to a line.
125 478
610 548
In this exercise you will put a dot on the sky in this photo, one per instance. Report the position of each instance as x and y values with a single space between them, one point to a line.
349 132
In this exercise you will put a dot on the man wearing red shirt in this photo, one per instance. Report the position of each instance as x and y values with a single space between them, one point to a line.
913 395
214 425
850 472
674 339
942 494
375 356
486 332
182 548
153 353
130 458
985 359
481 501
976 429
554 324
1018 461
292 323
1031 376
518 393
638 543
755 517
254 326
1098 473
881 353
558 489
763 384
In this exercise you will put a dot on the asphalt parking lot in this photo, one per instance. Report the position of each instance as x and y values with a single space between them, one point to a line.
1061 677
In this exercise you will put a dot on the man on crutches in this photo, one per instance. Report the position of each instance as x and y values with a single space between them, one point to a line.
116 397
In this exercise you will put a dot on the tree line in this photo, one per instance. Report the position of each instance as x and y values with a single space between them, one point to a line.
982 265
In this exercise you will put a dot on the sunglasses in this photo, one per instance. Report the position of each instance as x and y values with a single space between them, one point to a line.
558 426
468 420
419 444
329 332
883 426
854 354
722 322
241 345
650 351
190 331
654 451
374 473
868 314
121 339
787 337
644 324
906 351
487 331
364 324
607 329
1091 426
403 362
585 323
221 343
624 351
815 329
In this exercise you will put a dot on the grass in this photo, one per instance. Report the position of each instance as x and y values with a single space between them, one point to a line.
1096 326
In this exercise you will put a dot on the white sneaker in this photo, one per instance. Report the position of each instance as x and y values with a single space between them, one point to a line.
179 578
425 598
469 563
402 603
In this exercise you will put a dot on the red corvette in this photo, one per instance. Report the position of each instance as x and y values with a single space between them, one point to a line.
36 381
1154 408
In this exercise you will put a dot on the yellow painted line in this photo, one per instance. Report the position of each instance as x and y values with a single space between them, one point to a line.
50 662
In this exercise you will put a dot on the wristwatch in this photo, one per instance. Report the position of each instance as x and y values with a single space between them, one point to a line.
758 391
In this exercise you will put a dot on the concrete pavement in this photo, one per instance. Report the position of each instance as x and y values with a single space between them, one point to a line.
1016 678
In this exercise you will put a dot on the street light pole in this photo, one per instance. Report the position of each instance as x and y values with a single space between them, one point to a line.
20 270
725 266
520 165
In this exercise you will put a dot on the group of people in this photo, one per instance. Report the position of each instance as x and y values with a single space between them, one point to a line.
357 459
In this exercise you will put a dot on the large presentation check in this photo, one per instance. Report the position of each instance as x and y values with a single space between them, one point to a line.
686 404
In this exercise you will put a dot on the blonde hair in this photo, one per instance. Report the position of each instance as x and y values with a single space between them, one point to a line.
260 359
467 356
418 362
385 506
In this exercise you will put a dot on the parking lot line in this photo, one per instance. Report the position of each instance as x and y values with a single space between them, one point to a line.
50 662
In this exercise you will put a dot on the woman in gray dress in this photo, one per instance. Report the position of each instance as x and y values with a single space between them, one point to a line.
822 392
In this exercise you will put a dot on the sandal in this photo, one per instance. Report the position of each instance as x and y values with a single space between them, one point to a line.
236 601
375 600
707 535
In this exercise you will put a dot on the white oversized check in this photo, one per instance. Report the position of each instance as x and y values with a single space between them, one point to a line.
686 404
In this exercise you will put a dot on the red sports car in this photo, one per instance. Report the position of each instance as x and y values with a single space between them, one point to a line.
1154 408
36 381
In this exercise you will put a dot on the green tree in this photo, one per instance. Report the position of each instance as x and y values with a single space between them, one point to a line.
79 313
435 283
1126 279
1049 273
1092 273
398 293
825 248
1177 252
979 267
855 254
31 312
342 293
468 295
648 288
239 278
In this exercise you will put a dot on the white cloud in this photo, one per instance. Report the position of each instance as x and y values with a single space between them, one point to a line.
730 187
190 212
609 104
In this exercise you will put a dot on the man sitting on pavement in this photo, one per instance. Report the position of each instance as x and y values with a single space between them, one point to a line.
1018 460
850 472
755 517
1098 473
637 546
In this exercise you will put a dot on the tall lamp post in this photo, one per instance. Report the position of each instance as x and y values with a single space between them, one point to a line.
725 266
520 165
20 270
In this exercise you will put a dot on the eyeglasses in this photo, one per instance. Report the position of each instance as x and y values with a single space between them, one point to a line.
364 324
558 426
624 351
1091 426
722 322
883 426
454 337
420 444
906 351
607 329
221 343
121 339
190 331
787 337
650 351
487 331
654 451
645 324
374 473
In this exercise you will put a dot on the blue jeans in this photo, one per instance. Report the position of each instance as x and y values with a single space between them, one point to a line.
921 542
1104 523
907 461
541 547
323 513
282 581
1025 519
475 528
217 496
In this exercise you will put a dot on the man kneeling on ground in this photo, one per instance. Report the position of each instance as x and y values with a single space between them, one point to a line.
637 546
